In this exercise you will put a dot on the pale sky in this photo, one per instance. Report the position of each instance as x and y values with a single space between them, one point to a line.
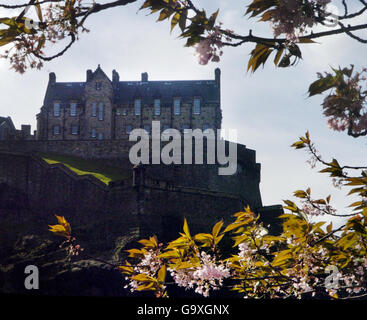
270 108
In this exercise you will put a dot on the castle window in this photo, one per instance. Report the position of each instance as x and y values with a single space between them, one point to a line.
56 109
129 128
98 85
124 112
138 107
118 111
74 130
73 109
176 106
100 111
94 109
196 106
94 133
157 107
147 128
100 135
56 130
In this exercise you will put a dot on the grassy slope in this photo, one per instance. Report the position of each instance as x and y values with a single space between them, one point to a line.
81 166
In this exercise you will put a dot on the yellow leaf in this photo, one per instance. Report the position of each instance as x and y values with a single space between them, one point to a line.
169 254
135 253
217 228
126 270
217 239
162 274
186 229
236 225
39 11
203 237
146 286
147 243
143 278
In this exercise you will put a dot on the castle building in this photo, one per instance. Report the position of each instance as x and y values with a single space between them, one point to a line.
104 109
7 128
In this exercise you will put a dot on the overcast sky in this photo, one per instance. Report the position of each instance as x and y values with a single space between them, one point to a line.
270 108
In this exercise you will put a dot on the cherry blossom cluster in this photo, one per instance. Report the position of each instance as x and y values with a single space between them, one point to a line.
209 275
346 107
293 17
356 282
57 25
317 210
149 265
354 279
209 49
304 273
72 249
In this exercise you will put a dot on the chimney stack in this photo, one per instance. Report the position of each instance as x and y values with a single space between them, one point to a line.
89 75
52 78
26 130
217 75
144 77
115 76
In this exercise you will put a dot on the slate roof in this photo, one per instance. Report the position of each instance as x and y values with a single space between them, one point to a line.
127 91
7 119
64 91
166 90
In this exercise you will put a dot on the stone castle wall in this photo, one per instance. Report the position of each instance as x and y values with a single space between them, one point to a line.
244 183
54 189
